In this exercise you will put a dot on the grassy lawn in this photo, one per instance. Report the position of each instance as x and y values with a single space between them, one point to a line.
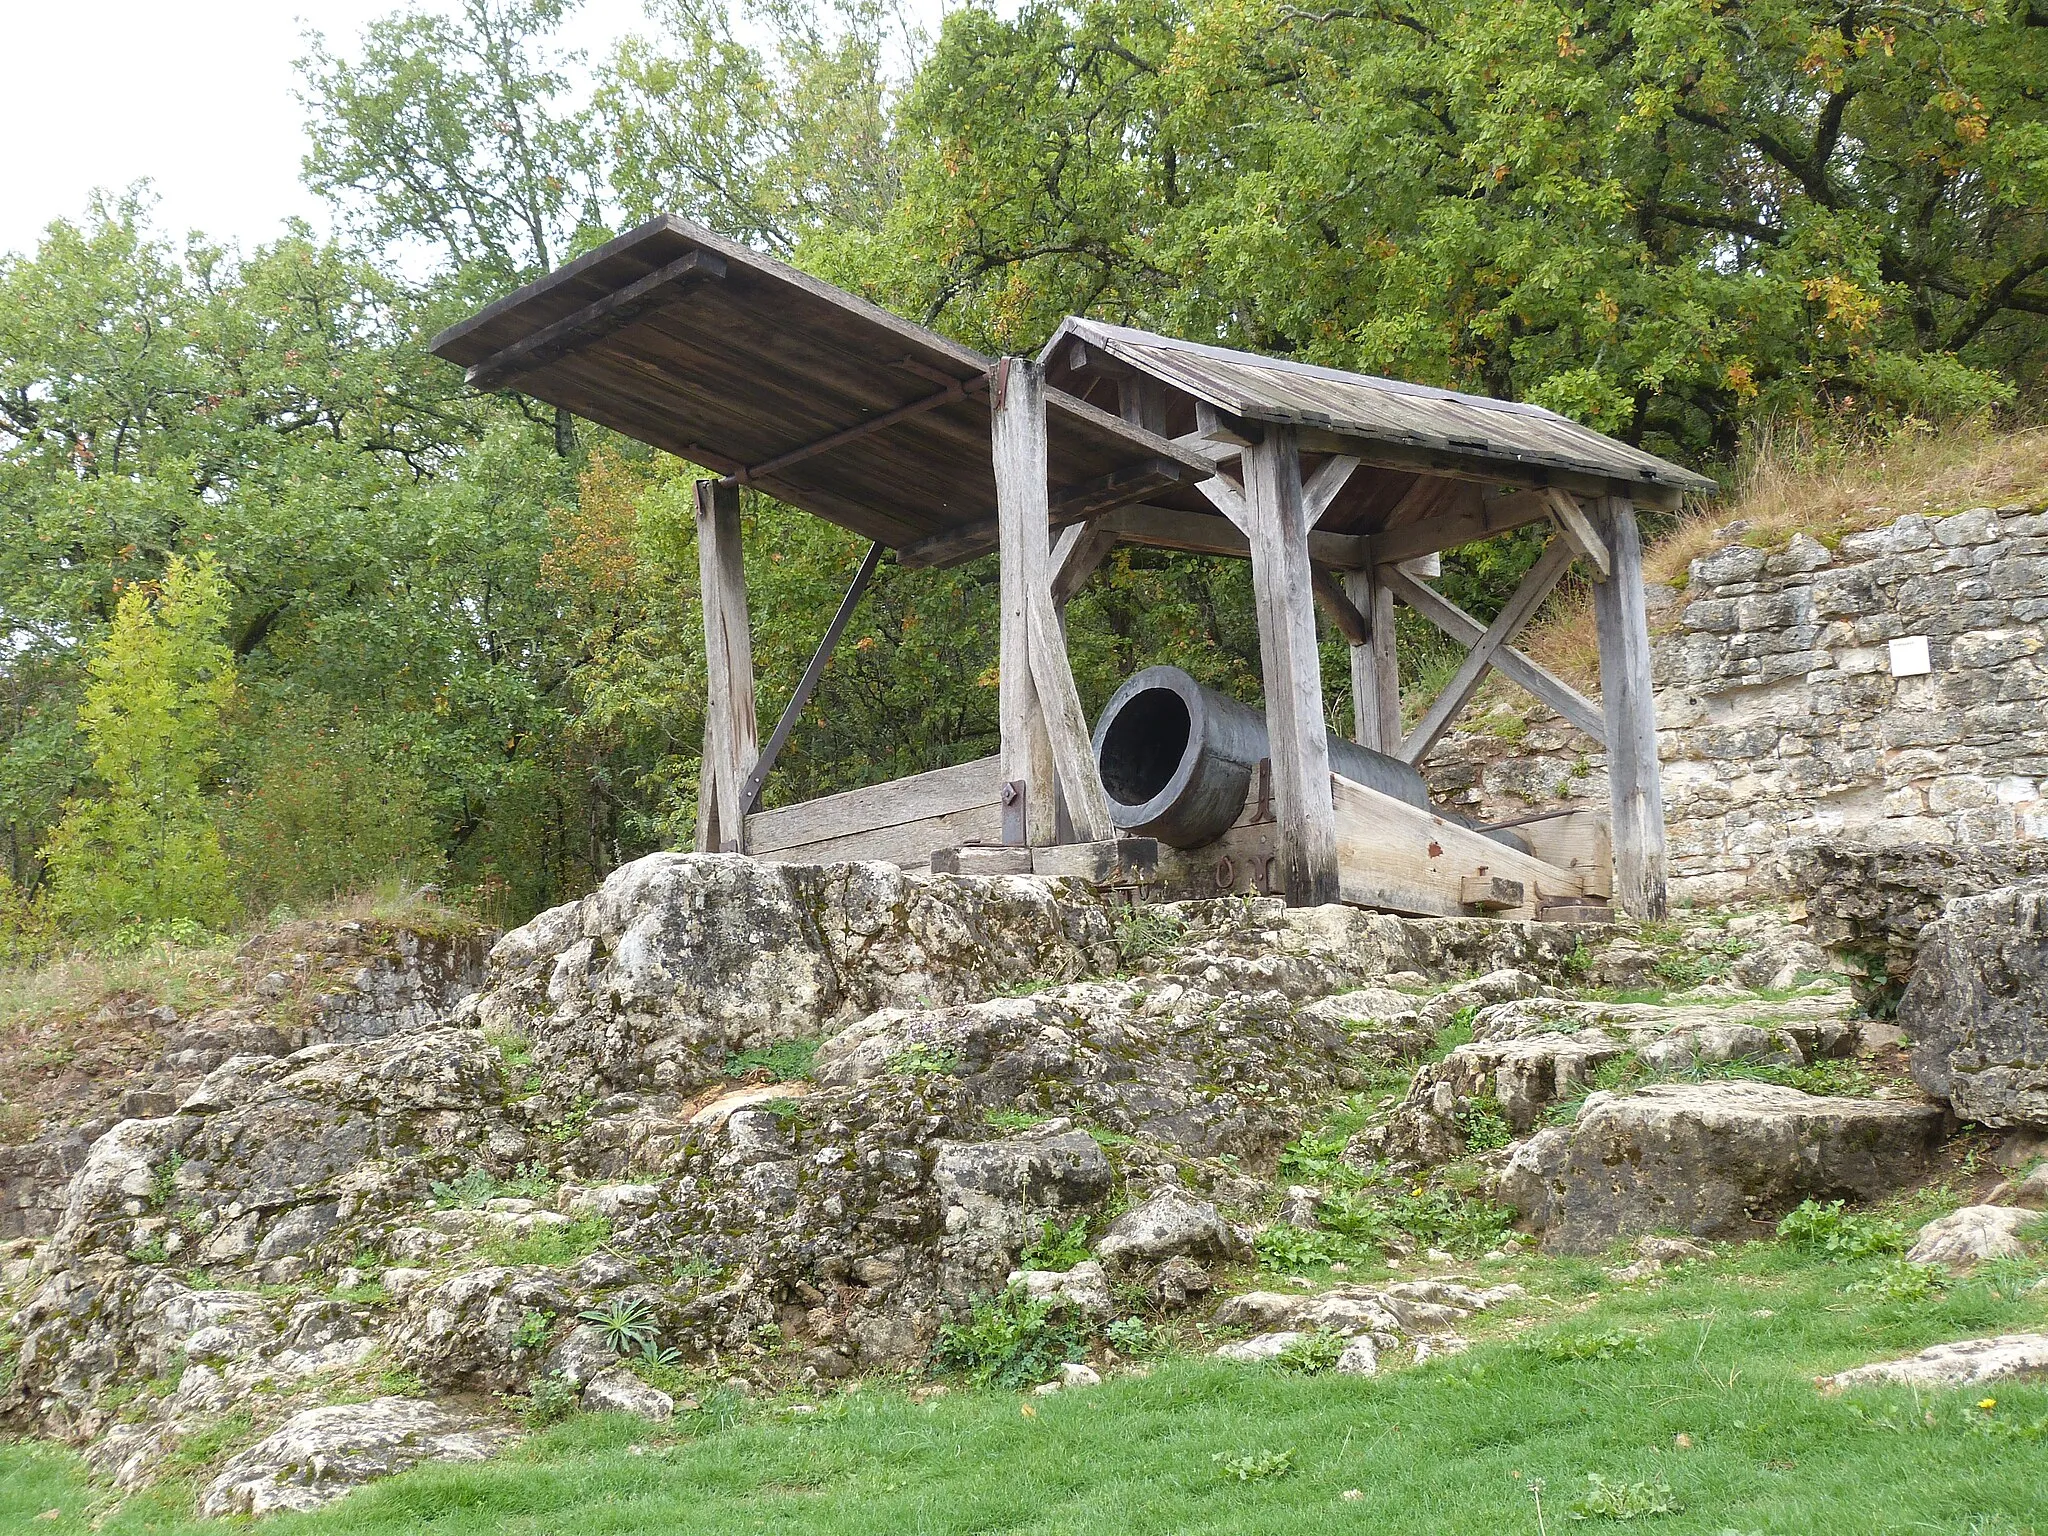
1591 1383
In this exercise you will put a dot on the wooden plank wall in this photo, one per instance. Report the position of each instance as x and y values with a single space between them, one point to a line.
901 822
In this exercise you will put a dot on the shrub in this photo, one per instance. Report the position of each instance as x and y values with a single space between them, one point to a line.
1485 1128
1011 1341
1838 1234
535 1324
1311 1354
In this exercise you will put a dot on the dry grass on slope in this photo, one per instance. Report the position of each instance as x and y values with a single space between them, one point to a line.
1790 481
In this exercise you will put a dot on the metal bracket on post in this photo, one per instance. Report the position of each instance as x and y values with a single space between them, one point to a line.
1016 829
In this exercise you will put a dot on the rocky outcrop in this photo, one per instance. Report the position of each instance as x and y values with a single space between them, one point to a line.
1973 1234
1976 1008
1712 1159
318 1455
1969 1363
1875 902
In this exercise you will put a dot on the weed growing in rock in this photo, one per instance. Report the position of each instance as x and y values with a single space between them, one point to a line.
1604 1500
1837 1234
1012 1341
151 1250
478 1187
1056 1247
1012 1120
163 1181
1456 1033
1253 1466
550 1246
203 1447
784 1061
924 1061
1312 1353
1484 1127
549 1399
395 1382
627 1323
1285 1247
535 1324
1143 932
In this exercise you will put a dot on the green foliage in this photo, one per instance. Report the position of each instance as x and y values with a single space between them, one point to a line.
1484 1127
1899 1281
627 1323
1282 1246
923 1060
163 1181
1610 1344
1434 1217
1056 1247
1131 1337
205 1446
477 1187
1012 1120
146 850
1143 932
1253 1466
535 1324
1312 1354
397 1382
549 1399
1838 1234
784 1061
1011 1340
1619 1500
550 1246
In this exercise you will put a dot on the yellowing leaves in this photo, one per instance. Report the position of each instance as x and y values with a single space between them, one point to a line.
1846 309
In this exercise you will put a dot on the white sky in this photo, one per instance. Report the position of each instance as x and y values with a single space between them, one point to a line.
194 95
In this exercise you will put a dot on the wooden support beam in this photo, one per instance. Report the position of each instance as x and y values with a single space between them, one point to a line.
1203 533
1119 488
1635 785
1336 602
1481 469
1222 427
1066 727
1573 528
1076 555
750 792
731 731
1583 713
1227 499
612 312
955 391
1017 444
1402 858
1292 665
1325 484
1375 667
1444 710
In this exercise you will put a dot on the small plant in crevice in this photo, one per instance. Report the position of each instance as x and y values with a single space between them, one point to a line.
1132 1336
1311 1354
923 1060
163 1181
1837 1234
1143 932
626 1322
549 1400
1282 1246
1056 1247
478 1187
1484 1127
782 1062
535 1324
1012 1340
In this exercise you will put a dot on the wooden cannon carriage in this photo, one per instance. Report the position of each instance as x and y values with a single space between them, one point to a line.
1332 484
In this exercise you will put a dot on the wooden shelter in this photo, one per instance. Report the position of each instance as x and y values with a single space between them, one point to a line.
1331 483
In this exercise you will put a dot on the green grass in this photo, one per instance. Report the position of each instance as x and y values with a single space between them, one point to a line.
1722 1354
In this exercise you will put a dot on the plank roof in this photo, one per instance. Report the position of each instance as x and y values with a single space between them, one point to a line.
730 359
1467 431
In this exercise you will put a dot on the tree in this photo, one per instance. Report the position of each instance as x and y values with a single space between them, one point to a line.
145 851
459 137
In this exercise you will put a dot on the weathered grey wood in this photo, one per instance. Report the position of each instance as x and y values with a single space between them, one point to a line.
1324 485
1119 488
1116 861
1204 533
732 739
1401 858
1077 554
1577 532
1465 516
1375 665
1583 714
750 792
898 802
1227 499
1292 668
593 320
854 433
1538 584
1478 467
978 860
1066 727
1336 602
1017 441
909 845
1635 786
1491 893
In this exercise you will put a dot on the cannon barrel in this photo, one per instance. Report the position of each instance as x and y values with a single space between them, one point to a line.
1177 761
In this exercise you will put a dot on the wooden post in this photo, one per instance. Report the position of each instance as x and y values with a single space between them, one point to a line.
731 732
1283 590
1017 441
1375 669
1629 706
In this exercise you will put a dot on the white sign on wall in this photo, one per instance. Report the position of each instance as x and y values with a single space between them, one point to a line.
1909 657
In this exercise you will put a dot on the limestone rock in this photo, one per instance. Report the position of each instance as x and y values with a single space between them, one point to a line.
1084 1288
1976 1008
2030 1191
1973 1234
1260 1347
321 1453
1712 1159
618 1390
1180 1281
1968 1363
1170 1224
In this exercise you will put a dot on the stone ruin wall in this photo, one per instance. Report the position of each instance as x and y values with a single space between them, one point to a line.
1781 723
